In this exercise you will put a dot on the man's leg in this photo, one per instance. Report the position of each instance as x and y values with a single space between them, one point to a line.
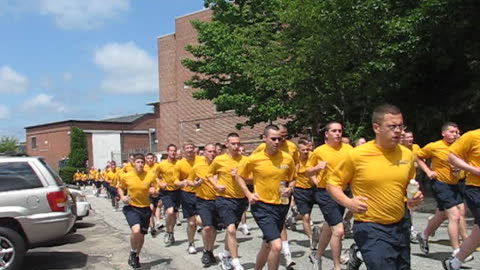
136 239
453 215
262 255
274 254
336 244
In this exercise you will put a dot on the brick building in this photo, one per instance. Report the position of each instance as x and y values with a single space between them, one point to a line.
181 116
109 139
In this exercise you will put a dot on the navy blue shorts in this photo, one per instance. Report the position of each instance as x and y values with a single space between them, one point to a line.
189 204
138 215
447 196
154 200
231 210
331 210
304 200
472 197
113 191
98 184
384 247
208 213
170 199
270 218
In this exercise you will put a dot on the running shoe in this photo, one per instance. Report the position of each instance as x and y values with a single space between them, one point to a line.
244 229
236 264
413 237
153 232
423 243
354 262
447 264
225 261
316 261
207 259
191 249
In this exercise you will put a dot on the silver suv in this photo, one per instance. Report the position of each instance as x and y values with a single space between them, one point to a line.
35 207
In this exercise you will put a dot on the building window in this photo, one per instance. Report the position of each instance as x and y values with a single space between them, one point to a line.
34 142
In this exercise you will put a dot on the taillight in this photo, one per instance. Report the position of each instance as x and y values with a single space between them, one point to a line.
57 200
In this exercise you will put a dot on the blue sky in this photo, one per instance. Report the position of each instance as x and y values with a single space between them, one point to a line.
80 59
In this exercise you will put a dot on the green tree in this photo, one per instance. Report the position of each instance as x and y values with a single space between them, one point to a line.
8 144
78 148
311 61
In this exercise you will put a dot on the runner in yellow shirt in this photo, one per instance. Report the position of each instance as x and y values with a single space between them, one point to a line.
290 148
303 192
138 184
465 155
111 177
183 169
230 202
273 179
155 202
169 193
206 208
445 189
320 166
378 172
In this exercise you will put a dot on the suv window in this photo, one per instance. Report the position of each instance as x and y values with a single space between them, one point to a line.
18 175
54 174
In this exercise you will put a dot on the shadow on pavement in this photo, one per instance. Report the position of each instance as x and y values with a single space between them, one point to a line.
434 255
84 225
68 239
149 265
54 260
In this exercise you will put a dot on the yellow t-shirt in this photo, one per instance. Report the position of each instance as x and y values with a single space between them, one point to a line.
268 171
112 176
148 168
222 167
77 176
381 175
438 152
332 156
137 186
183 169
92 173
128 168
205 190
166 172
302 180
415 148
286 146
467 147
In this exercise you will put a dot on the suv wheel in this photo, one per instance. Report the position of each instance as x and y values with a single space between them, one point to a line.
12 249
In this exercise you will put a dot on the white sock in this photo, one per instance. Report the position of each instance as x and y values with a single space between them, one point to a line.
456 263
226 253
455 251
285 247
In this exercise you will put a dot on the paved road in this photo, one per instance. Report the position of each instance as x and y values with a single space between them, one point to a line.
101 242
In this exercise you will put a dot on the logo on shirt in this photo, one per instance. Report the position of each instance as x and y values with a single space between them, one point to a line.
402 161
284 166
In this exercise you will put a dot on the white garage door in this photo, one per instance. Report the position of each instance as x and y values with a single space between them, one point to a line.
103 145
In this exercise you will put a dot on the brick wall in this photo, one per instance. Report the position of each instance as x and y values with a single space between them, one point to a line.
180 113
53 144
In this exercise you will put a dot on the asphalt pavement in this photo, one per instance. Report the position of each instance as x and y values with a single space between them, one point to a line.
102 242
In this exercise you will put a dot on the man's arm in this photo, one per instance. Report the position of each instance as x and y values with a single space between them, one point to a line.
429 172
462 164
252 197
356 204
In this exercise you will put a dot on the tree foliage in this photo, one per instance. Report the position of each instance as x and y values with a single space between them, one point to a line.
78 148
311 62
8 144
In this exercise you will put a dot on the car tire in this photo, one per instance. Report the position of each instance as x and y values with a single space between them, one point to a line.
11 240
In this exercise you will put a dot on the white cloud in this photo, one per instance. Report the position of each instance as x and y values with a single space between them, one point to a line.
83 14
129 69
4 112
11 81
44 102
